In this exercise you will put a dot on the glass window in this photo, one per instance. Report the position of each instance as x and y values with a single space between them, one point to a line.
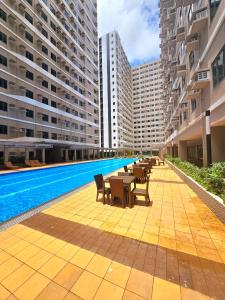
3 60
44 32
29 75
53 104
30 2
53 72
3 37
218 67
45 118
54 120
45 83
3 106
29 113
214 4
3 83
193 105
3 15
45 100
30 132
29 94
53 57
53 88
29 18
45 50
29 56
45 135
29 36
44 66
3 129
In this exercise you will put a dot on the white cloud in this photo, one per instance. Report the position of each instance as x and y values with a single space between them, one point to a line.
137 23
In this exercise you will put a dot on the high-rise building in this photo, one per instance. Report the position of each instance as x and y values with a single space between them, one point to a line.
116 103
148 107
193 58
49 75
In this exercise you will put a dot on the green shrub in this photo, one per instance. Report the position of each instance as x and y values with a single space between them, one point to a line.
211 178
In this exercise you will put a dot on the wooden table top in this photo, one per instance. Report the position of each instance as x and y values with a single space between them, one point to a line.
126 179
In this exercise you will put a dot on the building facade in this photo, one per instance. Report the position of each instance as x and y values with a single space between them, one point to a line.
49 74
148 107
193 58
116 103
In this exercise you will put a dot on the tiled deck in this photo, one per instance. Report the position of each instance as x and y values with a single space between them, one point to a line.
80 249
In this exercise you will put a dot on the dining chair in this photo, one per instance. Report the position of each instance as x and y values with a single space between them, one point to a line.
140 175
125 169
141 192
117 191
101 189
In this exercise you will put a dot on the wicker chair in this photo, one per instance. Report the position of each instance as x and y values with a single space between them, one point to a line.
141 192
117 191
101 189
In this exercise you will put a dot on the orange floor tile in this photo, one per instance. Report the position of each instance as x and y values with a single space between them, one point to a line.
82 249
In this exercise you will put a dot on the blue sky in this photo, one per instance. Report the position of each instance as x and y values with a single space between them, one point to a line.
137 22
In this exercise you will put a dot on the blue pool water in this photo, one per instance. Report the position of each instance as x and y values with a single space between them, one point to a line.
22 191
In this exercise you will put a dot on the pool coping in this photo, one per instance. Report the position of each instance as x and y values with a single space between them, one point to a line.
18 219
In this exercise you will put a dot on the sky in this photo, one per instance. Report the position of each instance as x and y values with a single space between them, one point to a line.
137 22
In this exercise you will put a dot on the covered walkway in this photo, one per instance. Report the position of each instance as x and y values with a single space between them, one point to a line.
82 249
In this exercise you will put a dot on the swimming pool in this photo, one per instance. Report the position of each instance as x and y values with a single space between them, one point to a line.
23 191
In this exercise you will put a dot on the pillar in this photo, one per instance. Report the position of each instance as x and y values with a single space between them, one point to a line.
182 150
66 155
43 155
82 154
27 154
6 154
88 154
75 155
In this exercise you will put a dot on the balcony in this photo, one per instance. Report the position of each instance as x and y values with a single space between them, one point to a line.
180 34
181 70
201 79
200 20
194 94
192 44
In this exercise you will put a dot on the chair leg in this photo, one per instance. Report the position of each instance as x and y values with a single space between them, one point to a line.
97 197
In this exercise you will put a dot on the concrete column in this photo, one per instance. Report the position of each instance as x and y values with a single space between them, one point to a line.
75 155
66 155
27 154
88 154
218 144
43 155
82 154
6 154
182 150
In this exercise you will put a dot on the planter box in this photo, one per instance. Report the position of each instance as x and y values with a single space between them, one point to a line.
215 203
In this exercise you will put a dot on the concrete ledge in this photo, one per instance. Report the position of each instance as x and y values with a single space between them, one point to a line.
215 203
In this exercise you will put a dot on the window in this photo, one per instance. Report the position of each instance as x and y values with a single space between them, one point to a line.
29 56
45 100
44 17
53 26
29 18
45 135
218 67
29 36
53 41
53 88
54 136
29 75
44 32
45 118
53 72
30 2
191 59
3 129
3 15
193 104
3 37
29 94
53 120
3 60
30 132
29 113
45 83
53 57
213 7
45 50
3 106
44 66
3 83
53 104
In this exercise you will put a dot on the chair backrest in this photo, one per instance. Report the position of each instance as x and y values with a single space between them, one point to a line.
125 169
134 162
147 183
138 172
117 188
99 181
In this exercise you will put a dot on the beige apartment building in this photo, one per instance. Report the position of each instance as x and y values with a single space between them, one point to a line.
148 108
49 79
193 59
116 102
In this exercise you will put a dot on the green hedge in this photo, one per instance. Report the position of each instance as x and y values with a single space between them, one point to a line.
211 178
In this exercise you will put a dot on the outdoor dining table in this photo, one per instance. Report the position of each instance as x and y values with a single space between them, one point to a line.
127 181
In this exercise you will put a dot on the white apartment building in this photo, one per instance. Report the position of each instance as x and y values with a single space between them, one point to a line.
148 107
116 104
49 77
